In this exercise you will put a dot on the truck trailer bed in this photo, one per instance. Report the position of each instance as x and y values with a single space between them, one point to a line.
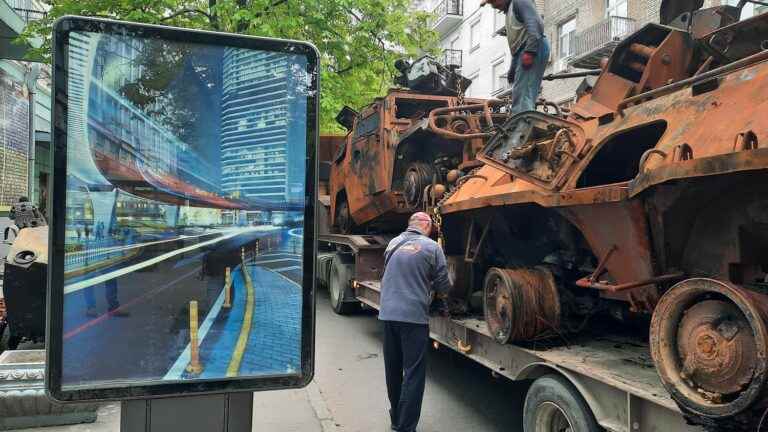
615 374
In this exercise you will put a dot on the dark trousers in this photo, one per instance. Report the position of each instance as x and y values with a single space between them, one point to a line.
110 294
405 366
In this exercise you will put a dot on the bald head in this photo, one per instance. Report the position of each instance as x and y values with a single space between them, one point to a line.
421 222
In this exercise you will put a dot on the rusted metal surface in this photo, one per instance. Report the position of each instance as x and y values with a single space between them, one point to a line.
623 228
658 172
614 288
668 177
387 137
709 341
521 304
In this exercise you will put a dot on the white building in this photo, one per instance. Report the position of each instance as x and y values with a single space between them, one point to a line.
579 31
469 38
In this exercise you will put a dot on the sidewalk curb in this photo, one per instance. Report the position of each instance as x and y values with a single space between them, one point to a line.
321 408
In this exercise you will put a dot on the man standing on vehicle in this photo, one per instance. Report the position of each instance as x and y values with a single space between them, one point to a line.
414 266
529 49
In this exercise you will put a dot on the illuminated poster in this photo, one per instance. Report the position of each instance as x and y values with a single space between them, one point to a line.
186 183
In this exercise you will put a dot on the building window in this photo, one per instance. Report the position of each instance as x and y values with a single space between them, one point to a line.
499 75
474 36
566 33
455 44
616 8
749 10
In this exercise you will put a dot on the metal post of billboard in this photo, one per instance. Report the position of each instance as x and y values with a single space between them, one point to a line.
230 412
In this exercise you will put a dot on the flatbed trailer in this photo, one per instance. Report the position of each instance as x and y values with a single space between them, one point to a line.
613 375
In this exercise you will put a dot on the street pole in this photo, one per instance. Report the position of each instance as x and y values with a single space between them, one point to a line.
31 81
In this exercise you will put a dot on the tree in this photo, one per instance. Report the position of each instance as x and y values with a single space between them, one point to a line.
359 40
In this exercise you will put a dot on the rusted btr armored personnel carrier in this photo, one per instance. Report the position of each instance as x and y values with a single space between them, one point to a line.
649 198
646 202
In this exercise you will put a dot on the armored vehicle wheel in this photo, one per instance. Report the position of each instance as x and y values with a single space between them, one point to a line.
709 341
343 218
554 405
339 287
520 304
417 177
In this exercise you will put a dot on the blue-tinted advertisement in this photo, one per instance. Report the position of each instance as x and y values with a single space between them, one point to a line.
186 169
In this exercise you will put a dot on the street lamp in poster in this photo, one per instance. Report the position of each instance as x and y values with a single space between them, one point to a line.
182 242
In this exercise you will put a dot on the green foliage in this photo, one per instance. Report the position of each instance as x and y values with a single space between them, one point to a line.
359 40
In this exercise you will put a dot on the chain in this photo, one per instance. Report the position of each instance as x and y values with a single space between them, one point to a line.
437 217
460 92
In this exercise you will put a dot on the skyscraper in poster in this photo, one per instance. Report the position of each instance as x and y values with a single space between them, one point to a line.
263 127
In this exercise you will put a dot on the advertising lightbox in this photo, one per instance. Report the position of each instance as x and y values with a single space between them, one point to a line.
182 240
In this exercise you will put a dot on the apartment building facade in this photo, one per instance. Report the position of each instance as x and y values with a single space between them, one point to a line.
580 32
25 112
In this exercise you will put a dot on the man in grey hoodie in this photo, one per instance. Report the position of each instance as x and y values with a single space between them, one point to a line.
414 267
529 49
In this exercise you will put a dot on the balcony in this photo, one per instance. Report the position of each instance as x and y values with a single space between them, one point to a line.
27 10
451 58
599 41
448 14
14 17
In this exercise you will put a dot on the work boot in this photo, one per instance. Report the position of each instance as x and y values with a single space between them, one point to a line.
118 313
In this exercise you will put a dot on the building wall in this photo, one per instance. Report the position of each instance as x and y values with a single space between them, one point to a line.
478 63
13 73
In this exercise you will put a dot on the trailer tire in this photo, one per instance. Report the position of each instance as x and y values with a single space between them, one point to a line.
344 221
339 289
554 404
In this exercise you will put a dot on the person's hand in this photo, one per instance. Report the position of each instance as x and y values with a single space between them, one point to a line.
528 59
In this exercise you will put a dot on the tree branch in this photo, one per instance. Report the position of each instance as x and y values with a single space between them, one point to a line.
266 9
188 11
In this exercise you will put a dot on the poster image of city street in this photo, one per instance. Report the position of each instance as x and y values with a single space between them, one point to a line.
185 204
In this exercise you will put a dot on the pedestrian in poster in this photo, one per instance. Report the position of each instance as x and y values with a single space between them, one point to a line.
110 296
414 266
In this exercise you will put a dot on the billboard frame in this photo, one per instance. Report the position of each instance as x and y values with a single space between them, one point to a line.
125 390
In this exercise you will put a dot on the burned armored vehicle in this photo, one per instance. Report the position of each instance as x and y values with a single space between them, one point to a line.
647 199
381 170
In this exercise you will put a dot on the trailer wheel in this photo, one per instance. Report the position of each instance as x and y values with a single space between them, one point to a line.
343 218
554 405
339 288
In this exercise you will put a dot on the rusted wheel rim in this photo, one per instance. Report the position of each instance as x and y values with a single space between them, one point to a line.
708 341
498 304
417 178
717 348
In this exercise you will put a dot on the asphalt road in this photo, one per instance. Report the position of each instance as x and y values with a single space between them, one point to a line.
460 395
348 393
